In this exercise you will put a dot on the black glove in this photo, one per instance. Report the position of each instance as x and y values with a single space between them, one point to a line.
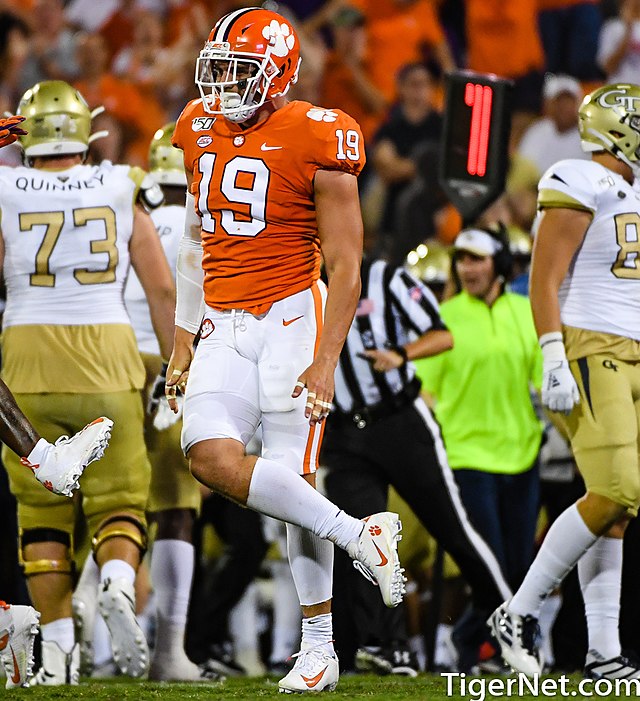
157 393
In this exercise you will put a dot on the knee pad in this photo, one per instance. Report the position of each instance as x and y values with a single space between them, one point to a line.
109 528
45 566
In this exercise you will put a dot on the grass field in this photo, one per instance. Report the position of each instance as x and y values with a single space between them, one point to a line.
424 688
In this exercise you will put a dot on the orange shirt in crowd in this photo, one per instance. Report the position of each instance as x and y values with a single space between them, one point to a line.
502 37
118 31
397 33
124 102
337 90
254 193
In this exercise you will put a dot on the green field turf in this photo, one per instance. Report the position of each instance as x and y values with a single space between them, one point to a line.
425 687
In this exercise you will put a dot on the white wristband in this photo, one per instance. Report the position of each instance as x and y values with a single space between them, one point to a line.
552 346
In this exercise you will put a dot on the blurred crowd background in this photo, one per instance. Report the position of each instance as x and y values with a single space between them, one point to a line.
383 62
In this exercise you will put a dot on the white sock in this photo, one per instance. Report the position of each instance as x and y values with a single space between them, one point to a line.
318 630
277 491
117 569
39 452
90 575
548 615
171 575
566 542
442 655
148 621
417 645
311 562
285 637
600 573
244 628
60 632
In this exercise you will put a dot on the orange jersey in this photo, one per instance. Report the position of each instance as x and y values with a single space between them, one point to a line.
254 193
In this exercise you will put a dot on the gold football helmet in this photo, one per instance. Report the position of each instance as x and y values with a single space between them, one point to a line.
519 242
609 120
430 262
165 162
57 120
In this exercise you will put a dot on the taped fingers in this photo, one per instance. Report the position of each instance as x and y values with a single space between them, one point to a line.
311 400
171 389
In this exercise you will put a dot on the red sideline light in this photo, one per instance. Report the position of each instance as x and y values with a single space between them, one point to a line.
479 98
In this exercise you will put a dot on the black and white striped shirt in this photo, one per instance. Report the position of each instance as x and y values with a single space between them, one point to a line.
394 308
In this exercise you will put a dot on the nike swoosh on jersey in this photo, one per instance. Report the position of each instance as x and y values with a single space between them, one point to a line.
15 677
264 147
383 557
290 321
313 681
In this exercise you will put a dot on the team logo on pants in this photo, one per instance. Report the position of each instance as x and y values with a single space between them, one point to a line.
207 328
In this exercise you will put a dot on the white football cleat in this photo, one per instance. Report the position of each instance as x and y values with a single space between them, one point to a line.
65 461
175 666
621 667
58 667
18 629
519 640
316 669
117 603
375 555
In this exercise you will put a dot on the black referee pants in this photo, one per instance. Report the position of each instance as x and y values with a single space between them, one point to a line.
404 450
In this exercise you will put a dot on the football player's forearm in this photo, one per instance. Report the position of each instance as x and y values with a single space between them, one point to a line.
544 288
162 318
560 233
342 300
189 280
545 307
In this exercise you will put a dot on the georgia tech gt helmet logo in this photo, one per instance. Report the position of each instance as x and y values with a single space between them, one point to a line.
630 103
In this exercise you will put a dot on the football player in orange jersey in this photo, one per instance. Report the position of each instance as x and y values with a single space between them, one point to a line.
272 185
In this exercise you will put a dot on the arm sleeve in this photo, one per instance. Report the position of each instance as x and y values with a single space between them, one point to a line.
189 273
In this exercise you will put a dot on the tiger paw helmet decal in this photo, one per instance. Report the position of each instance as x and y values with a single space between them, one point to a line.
280 36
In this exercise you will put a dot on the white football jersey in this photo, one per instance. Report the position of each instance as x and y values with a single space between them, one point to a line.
169 222
66 238
601 291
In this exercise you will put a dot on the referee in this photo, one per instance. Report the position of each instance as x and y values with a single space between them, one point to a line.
381 433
